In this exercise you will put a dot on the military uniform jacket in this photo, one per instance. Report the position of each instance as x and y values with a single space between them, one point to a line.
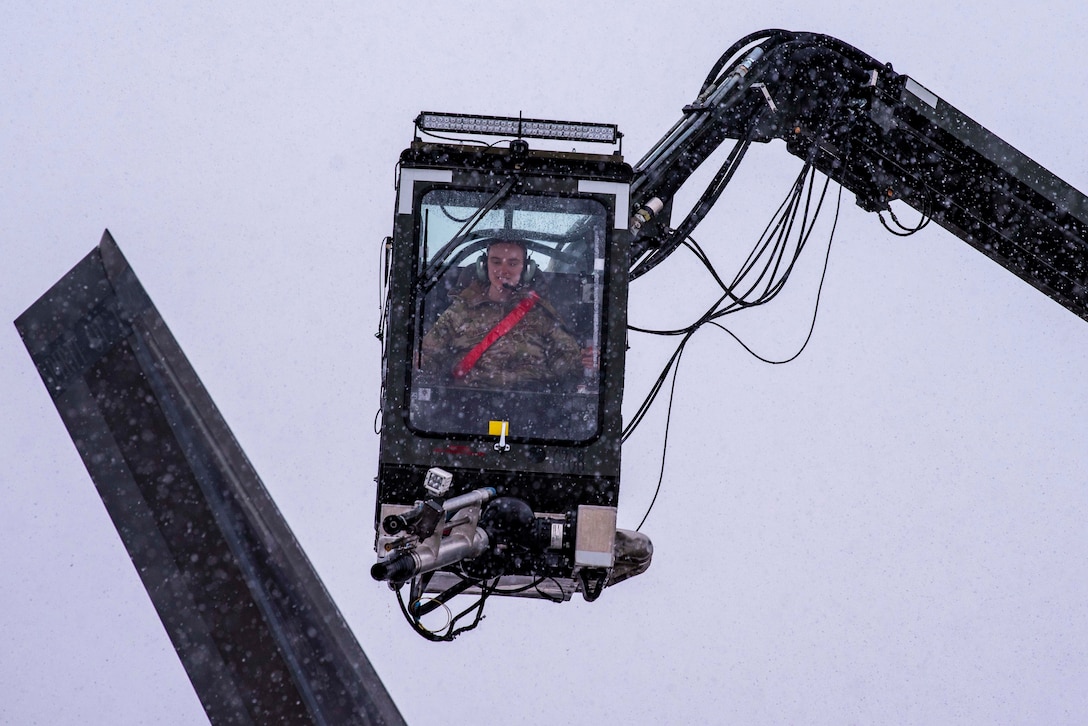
537 353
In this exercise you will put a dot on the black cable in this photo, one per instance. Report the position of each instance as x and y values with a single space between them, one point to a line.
665 440
815 308
785 227
772 248
451 630
772 239
775 287
775 238
778 231
546 596
902 229
714 311
534 585
647 402
433 135
449 215
674 361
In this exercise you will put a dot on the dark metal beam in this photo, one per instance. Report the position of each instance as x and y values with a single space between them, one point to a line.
258 634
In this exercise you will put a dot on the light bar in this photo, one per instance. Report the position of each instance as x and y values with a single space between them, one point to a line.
532 128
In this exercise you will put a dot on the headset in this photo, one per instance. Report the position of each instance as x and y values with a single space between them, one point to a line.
528 271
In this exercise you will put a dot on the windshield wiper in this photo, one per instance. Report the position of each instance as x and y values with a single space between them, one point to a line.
433 271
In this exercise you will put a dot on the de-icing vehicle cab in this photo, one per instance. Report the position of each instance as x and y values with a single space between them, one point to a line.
500 425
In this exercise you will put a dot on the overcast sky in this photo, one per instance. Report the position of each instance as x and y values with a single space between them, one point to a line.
889 530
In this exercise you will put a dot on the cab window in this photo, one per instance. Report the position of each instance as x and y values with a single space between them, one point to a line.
496 351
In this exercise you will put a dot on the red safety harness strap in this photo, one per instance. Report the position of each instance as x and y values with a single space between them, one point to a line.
501 328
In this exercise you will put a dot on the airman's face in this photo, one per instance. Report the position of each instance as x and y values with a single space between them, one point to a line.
505 261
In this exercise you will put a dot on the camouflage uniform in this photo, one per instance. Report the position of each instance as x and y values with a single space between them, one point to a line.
535 354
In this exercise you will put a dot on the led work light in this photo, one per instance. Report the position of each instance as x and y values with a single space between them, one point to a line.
518 127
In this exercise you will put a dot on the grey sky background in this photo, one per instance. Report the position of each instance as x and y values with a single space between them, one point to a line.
889 530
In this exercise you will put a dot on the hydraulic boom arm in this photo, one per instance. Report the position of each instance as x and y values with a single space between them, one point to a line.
881 135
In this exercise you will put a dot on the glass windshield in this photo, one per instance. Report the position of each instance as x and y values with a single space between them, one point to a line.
508 315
